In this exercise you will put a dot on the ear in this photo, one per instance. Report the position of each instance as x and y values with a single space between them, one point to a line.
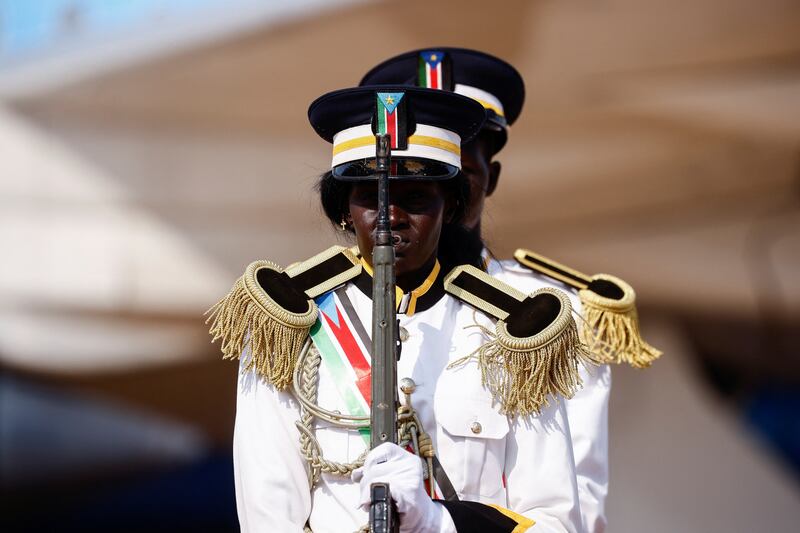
494 177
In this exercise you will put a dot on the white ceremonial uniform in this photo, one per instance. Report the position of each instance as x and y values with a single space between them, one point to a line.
524 464
587 411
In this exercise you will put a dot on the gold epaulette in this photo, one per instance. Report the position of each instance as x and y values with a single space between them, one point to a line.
270 311
535 349
610 324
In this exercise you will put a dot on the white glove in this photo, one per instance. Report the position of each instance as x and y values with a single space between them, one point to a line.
389 463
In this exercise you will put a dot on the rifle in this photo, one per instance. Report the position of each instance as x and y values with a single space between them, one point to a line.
385 344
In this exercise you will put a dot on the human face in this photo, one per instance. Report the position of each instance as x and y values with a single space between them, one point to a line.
482 173
416 214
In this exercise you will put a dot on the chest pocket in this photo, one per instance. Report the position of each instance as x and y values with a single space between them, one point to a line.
471 445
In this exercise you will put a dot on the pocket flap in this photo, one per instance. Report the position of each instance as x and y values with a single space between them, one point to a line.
470 417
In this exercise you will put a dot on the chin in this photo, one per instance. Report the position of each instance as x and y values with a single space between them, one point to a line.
401 266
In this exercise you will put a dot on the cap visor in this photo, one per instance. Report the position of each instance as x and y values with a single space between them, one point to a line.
406 168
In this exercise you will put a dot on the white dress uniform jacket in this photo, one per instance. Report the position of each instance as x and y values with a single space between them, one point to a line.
587 410
524 464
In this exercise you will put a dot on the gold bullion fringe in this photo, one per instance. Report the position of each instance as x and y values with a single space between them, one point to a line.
611 327
248 320
522 373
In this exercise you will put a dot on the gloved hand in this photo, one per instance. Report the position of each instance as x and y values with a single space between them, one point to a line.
389 463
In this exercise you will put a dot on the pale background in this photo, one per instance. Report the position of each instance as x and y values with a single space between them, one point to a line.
150 150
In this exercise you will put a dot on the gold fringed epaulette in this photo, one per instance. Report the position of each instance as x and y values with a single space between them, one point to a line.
535 349
270 311
610 323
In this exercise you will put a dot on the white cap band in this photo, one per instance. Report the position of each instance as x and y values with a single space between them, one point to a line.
428 142
487 100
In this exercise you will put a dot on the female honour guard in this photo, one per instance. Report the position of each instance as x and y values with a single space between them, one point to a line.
484 438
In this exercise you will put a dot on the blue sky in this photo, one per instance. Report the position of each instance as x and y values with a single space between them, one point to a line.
32 27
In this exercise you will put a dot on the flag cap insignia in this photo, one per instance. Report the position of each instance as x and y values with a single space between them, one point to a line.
435 70
390 117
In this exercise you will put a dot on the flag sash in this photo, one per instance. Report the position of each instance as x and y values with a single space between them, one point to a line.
344 356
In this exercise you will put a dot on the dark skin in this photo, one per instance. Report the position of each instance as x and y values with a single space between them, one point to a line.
483 174
417 211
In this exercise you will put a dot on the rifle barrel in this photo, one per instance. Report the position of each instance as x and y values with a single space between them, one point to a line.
383 409
383 412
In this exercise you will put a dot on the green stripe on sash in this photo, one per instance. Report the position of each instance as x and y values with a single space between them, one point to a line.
332 359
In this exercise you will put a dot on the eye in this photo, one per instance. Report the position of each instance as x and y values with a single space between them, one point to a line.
364 196
369 198
417 201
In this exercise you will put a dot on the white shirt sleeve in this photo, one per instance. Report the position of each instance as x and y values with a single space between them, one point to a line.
540 475
588 419
272 492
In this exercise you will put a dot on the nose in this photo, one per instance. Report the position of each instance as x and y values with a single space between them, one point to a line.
398 217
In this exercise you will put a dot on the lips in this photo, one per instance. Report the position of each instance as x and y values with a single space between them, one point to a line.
397 237
401 244
400 249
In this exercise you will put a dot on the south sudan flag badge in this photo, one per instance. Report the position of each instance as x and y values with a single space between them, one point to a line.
390 118
435 70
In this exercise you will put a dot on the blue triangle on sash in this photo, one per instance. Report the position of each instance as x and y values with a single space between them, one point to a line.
327 305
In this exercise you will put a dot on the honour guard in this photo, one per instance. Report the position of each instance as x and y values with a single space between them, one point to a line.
605 304
483 442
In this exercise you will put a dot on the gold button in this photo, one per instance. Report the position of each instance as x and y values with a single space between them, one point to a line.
403 334
476 427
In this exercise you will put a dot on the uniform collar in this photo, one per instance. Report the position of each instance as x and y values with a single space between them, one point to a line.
420 299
